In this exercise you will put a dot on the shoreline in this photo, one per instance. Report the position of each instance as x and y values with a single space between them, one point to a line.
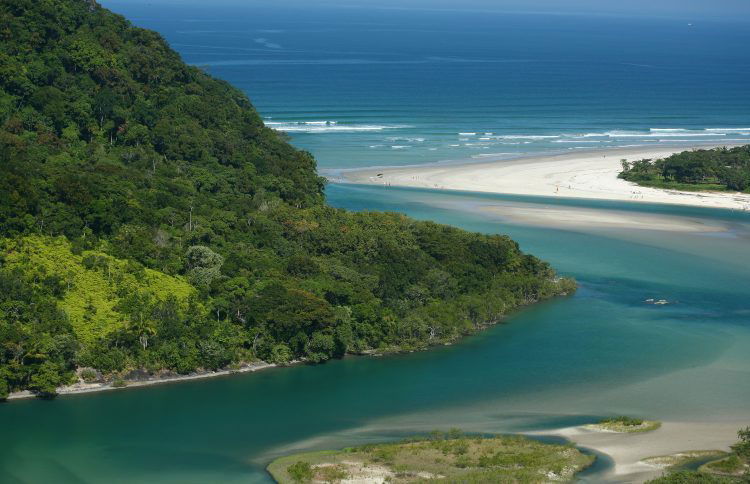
83 388
582 175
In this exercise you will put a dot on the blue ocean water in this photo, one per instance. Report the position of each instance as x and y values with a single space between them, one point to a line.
366 87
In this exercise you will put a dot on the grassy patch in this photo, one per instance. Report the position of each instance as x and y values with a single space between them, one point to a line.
692 477
732 465
447 457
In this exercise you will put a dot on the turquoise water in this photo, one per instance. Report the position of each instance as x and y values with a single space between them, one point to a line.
603 351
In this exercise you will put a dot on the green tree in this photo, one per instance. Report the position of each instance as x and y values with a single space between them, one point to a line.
320 347
4 386
142 329
203 265
45 380
742 448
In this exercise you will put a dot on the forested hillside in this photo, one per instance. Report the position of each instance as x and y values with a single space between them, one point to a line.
149 220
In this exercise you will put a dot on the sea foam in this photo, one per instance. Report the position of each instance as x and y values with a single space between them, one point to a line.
327 127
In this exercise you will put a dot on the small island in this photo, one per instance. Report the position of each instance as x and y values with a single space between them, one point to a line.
450 457
624 424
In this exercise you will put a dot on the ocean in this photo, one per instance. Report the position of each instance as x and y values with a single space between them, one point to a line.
366 87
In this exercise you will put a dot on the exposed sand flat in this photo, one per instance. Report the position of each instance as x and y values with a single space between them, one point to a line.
567 217
590 174
629 449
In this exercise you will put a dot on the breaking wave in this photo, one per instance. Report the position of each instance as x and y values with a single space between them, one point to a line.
327 127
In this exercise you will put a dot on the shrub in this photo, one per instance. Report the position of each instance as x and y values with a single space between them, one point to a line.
689 477
300 471
731 464
622 420
332 473
89 375
384 453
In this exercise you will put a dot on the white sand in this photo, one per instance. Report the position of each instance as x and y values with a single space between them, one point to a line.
628 450
590 174
577 217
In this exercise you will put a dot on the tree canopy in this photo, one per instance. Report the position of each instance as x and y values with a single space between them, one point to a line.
714 169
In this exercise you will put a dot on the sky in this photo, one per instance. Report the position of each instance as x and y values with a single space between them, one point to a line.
692 10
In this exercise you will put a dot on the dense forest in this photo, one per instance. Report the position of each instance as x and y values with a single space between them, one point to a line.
714 169
150 221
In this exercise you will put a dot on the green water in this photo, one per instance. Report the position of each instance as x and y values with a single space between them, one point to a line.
603 351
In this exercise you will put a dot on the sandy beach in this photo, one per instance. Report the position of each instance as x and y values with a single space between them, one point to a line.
628 450
589 175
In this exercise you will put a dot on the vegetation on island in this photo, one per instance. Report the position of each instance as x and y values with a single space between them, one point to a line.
624 424
149 220
449 457
714 169
693 477
732 468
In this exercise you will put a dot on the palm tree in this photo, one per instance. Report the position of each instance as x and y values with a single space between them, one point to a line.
142 328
